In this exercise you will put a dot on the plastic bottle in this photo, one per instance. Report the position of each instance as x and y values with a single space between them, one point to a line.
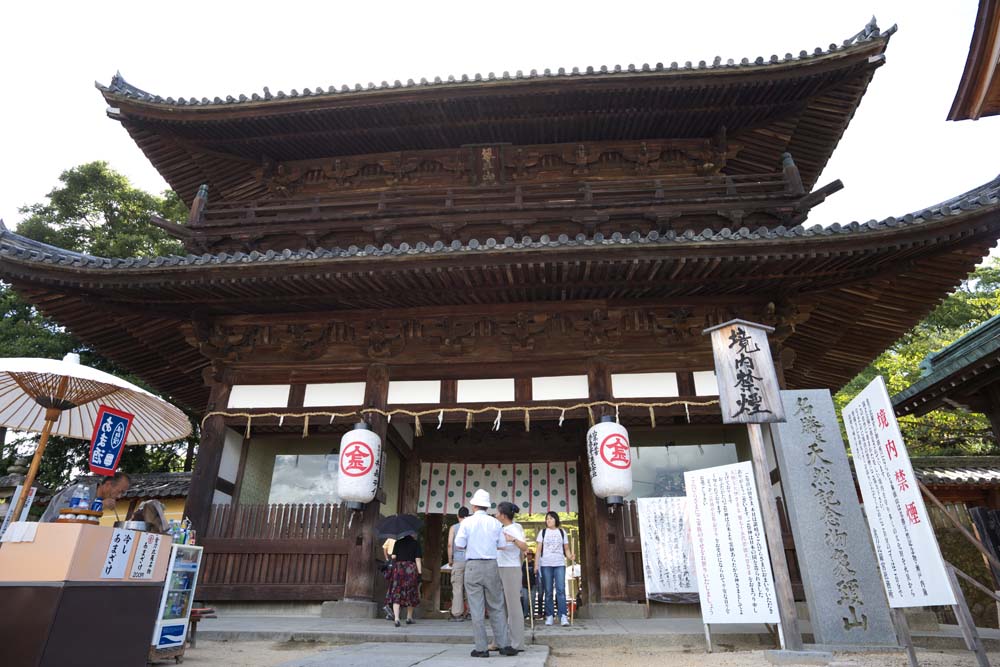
80 498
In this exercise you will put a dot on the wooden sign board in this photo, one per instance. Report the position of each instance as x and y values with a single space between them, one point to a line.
748 384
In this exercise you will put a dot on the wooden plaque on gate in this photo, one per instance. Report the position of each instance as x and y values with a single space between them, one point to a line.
748 384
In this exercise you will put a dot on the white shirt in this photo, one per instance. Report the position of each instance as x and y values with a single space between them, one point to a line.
481 535
553 548
510 555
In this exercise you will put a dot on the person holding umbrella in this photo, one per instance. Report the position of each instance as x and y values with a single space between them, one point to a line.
407 564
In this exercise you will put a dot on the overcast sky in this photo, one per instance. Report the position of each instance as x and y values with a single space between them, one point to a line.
899 153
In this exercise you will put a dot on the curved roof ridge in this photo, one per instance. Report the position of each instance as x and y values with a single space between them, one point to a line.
120 87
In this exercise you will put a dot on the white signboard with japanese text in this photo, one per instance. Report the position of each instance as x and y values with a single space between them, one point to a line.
116 560
733 571
667 557
145 556
906 549
10 507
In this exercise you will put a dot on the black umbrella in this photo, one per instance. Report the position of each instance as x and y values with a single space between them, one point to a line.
399 526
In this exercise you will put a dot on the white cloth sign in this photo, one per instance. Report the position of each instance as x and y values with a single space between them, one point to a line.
145 557
20 531
730 553
907 551
116 559
667 557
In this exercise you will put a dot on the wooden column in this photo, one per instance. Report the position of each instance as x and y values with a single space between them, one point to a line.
607 529
433 555
410 495
993 410
198 506
588 527
360 582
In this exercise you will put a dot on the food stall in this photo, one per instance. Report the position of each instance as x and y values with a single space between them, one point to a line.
78 595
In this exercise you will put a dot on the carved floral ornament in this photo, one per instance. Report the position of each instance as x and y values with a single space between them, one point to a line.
489 165
597 328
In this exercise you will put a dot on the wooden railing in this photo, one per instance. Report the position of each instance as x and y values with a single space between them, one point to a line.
275 552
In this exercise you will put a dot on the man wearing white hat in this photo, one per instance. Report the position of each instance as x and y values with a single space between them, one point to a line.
481 535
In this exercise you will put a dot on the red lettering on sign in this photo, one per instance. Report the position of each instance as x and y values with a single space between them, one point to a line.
911 512
615 451
901 480
356 459
883 420
890 449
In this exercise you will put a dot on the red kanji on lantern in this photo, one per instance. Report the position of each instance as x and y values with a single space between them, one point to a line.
615 451
883 420
901 480
356 459
890 449
911 512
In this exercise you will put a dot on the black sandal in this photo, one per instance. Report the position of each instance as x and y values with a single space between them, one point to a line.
396 623
409 621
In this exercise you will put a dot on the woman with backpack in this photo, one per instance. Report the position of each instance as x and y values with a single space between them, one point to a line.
553 550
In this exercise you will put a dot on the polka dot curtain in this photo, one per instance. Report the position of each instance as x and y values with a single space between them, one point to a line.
535 487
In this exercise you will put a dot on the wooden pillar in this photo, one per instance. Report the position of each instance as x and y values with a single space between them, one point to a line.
433 555
607 529
410 494
993 410
360 581
588 526
198 506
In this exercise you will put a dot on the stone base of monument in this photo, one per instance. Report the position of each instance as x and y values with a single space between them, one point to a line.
807 657
624 610
349 609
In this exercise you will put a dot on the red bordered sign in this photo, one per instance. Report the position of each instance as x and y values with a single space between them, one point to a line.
356 459
108 441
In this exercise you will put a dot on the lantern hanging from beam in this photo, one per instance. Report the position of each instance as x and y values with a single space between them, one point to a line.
358 472
610 458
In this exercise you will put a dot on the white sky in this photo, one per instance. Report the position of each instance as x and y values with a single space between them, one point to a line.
898 155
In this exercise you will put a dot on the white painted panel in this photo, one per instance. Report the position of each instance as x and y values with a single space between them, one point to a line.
259 396
334 393
232 447
705 383
559 387
414 391
644 385
498 390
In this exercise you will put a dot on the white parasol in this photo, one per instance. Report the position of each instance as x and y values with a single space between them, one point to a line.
63 397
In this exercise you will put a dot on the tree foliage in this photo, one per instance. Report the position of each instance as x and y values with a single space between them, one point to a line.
94 210
941 432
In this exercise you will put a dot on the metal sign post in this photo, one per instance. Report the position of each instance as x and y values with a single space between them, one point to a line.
749 394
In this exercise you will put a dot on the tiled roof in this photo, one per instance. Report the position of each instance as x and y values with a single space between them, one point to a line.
16 246
119 86
957 470
157 485
973 347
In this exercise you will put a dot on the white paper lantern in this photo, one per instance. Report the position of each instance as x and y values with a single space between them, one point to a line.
358 472
610 458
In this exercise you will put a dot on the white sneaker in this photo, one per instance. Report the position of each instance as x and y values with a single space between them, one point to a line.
563 620
548 620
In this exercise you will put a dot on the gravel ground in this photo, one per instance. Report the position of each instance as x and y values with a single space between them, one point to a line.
646 657
247 654
269 654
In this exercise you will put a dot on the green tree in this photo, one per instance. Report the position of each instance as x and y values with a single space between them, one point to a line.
97 211
941 432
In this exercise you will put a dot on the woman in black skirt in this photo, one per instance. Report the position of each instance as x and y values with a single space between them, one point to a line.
404 585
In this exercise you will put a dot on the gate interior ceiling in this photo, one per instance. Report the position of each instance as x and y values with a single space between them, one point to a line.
534 487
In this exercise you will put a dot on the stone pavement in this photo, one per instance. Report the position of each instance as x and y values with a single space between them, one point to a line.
410 654
680 633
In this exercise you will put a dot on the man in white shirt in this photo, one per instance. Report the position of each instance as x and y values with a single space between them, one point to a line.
482 536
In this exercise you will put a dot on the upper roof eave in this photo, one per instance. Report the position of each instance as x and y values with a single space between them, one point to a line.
121 91
16 249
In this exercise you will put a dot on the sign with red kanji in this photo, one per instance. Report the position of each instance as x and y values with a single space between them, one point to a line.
906 548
